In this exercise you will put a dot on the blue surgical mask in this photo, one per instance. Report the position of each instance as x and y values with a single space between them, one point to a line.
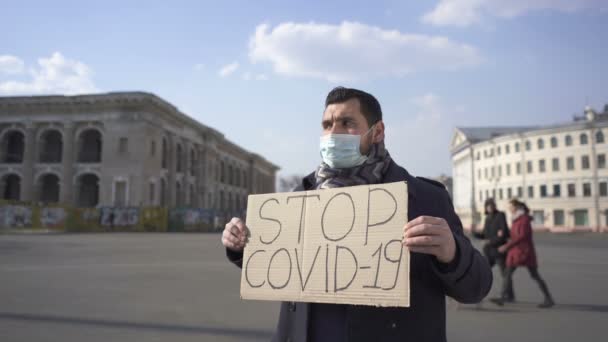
342 151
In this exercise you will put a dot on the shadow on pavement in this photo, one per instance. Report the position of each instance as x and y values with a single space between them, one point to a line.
104 323
527 306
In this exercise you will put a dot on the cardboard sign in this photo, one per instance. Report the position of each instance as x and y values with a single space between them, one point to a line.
339 245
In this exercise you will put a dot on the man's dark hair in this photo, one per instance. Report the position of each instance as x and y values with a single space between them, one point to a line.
370 107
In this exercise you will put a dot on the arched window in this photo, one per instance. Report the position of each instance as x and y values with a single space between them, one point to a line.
540 143
180 158
553 142
599 137
51 147
90 144
528 145
583 139
568 140
164 154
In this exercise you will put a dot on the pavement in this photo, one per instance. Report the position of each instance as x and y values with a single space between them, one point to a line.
179 287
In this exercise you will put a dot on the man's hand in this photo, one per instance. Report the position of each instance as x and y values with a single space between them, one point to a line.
430 235
234 236
502 249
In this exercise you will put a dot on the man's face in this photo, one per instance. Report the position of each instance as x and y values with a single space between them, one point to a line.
490 208
347 118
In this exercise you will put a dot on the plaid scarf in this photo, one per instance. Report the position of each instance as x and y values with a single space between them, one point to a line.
372 171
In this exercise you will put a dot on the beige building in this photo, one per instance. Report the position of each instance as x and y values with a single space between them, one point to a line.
122 149
559 171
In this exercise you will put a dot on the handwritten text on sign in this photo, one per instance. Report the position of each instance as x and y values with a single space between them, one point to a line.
338 245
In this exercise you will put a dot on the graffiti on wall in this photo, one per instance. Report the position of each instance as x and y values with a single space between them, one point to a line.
53 217
119 217
15 216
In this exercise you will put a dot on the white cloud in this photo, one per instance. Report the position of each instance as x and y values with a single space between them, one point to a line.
228 69
467 12
53 75
248 76
11 64
353 51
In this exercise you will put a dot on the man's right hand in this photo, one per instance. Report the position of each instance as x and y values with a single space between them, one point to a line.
234 236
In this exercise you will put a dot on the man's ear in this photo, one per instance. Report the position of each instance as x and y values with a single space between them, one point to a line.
378 132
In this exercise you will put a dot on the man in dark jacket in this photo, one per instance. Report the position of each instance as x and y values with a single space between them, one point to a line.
443 261
496 232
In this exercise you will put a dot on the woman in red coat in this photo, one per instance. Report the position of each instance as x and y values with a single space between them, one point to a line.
520 252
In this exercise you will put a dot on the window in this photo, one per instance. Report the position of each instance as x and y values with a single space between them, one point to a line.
509 193
487 194
178 160
152 188
120 193
603 189
485 173
557 190
530 191
541 165
507 149
529 167
528 145
583 139
555 164
492 172
539 217
478 156
520 191
571 190
500 194
601 161
570 163
558 217
581 218
599 137
516 147
543 191
587 189
568 140
480 195
553 142
518 168
152 148
585 162
499 171
478 173
498 150
123 145
493 193
540 143
508 169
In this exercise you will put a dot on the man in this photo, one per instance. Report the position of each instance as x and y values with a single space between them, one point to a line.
442 262
496 232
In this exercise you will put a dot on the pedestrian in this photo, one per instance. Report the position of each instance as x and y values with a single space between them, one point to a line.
496 233
521 252
443 261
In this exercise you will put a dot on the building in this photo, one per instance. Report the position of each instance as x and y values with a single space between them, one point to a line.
559 171
122 149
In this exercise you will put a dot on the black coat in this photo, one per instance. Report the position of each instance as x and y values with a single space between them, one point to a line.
495 229
467 279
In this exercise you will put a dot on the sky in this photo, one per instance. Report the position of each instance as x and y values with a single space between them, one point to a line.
259 71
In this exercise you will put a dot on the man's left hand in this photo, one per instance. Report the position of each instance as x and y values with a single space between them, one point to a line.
430 235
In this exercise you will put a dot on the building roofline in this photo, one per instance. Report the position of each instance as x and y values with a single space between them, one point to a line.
118 99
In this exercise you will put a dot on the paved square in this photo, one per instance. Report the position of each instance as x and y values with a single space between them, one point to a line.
179 287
